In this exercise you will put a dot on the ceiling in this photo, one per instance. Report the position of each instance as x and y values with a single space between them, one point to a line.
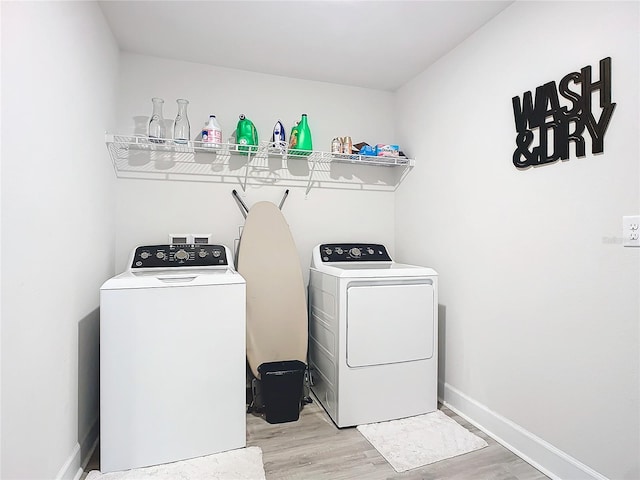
373 44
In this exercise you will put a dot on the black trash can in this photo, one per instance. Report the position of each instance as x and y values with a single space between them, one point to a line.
281 388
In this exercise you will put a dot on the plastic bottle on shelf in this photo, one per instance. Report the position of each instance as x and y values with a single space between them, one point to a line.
293 138
212 133
347 145
305 144
246 135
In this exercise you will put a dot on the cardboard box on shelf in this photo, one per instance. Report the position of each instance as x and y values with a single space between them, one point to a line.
385 150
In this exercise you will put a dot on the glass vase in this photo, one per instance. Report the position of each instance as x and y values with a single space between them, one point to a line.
157 130
181 128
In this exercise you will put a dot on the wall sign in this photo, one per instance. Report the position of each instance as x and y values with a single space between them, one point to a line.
545 128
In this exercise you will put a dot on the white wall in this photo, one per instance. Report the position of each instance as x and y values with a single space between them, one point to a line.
539 300
148 210
59 71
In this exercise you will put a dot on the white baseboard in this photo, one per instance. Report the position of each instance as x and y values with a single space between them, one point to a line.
73 468
87 457
551 461
69 470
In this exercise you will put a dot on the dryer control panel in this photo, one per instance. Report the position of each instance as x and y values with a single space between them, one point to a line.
354 252
179 255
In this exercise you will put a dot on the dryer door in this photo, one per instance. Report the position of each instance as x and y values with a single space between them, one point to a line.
389 324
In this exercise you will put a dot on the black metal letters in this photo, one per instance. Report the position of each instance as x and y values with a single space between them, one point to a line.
545 128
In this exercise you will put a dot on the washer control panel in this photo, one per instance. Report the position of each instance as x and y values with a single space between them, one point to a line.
353 252
179 255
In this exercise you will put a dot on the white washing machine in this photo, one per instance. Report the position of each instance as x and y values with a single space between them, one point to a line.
172 357
373 326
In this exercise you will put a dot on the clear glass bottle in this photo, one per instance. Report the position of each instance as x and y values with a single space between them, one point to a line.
181 128
157 129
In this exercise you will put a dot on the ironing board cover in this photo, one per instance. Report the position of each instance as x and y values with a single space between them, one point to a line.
268 260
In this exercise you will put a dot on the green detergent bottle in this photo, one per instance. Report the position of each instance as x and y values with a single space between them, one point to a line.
304 145
246 135
293 138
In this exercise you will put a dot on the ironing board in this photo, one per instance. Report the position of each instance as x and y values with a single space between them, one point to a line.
277 324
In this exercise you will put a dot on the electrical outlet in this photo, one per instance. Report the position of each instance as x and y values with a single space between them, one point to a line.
631 231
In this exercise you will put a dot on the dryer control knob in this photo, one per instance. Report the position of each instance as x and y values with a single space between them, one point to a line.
160 255
145 255
355 252
202 253
182 255
339 251
216 253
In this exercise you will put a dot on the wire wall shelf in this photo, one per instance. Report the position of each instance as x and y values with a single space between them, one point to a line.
140 157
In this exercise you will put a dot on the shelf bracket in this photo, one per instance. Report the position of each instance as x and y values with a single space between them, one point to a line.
246 172
310 182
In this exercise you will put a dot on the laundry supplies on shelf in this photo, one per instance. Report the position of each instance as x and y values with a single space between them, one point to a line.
212 133
303 144
246 135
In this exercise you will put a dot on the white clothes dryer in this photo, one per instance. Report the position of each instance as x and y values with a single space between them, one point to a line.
373 326
172 357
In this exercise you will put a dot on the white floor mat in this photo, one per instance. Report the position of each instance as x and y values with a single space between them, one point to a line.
241 464
417 441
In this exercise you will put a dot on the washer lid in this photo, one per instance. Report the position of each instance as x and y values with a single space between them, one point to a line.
172 278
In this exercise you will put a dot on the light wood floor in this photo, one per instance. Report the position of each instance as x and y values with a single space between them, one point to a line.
314 449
